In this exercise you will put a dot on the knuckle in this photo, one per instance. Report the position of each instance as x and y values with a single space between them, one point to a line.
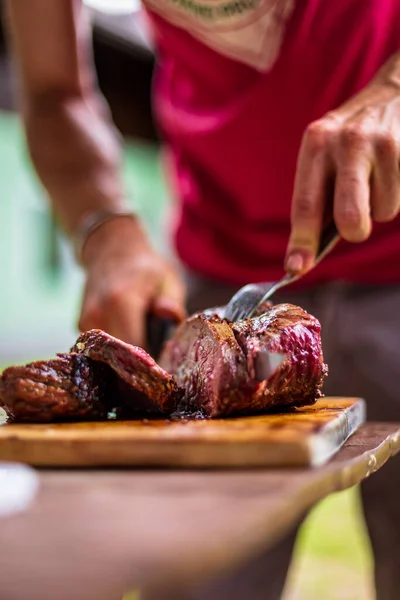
318 134
119 297
385 144
354 137
370 113
113 298
304 207
352 184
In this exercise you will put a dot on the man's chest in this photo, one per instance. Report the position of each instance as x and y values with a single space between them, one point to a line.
250 31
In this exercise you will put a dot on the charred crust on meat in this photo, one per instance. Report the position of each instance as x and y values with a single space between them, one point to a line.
133 365
232 387
69 387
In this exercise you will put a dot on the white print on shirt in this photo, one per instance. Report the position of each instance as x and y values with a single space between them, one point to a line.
250 31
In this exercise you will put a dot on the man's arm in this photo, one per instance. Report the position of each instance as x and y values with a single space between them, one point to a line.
72 142
75 150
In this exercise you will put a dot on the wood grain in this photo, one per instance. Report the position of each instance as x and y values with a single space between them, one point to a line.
103 532
304 437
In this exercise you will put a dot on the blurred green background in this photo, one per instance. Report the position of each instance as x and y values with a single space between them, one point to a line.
39 300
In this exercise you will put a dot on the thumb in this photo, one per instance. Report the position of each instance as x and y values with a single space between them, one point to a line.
170 301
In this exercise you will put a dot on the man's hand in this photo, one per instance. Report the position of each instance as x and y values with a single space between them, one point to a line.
348 169
126 280
76 153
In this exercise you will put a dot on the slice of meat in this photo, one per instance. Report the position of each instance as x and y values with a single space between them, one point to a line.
216 362
145 386
289 330
207 363
70 387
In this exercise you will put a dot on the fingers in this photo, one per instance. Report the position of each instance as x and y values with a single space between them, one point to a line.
127 317
91 316
120 312
367 181
362 158
119 300
170 301
385 183
128 310
352 210
308 199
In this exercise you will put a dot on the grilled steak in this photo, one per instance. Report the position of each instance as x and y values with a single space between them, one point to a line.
289 330
143 385
216 361
210 367
208 363
62 389
101 374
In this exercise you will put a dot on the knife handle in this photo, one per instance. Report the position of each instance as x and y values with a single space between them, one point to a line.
159 330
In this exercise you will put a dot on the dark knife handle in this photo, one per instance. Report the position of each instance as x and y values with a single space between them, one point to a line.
159 330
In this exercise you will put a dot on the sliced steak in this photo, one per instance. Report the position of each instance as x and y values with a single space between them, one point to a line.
210 367
289 330
207 363
216 362
70 387
145 386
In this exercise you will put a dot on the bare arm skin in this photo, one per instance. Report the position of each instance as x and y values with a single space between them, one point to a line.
356 150
73 144
76 152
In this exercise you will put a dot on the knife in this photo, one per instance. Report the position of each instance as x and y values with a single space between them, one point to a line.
159 330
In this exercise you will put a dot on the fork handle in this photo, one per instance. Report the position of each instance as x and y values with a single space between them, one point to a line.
329 239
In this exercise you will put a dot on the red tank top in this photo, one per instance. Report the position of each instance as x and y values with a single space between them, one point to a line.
237 83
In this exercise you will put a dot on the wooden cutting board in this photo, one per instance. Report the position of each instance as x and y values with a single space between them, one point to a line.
303 437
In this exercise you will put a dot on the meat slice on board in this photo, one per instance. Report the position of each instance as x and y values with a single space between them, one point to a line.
216 361
100 375
69 387
208 363
289 330
142 384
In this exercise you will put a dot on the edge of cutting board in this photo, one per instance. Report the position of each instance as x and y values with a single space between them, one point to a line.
310 436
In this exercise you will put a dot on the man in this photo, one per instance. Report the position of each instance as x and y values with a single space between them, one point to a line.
268 108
